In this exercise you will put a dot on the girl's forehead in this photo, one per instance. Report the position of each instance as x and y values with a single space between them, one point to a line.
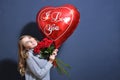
25 39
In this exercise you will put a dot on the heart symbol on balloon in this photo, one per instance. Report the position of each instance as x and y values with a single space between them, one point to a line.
58 23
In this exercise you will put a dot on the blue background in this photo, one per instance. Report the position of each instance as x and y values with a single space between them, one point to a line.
93 50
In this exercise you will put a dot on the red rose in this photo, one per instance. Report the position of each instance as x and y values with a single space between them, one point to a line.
36 50
45 43
42 45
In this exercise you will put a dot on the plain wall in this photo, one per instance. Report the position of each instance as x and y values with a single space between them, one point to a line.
93 50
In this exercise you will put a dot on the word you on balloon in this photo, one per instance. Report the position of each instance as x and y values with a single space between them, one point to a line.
49 28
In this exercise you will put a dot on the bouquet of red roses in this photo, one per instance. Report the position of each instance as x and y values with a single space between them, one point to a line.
45 48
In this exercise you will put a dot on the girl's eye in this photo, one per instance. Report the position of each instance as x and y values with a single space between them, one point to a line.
28 42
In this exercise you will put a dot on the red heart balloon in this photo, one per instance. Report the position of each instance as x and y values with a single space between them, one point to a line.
58 23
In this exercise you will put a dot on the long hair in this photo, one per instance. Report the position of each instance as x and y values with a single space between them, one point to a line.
22 56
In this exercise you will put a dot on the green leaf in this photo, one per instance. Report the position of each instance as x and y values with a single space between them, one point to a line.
62 63
60 67
46 52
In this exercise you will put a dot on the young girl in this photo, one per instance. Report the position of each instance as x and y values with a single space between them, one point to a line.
30 65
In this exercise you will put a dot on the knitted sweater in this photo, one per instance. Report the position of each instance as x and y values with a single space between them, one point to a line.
37 69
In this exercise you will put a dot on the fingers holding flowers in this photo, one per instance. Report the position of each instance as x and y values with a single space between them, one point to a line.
52 57
55 52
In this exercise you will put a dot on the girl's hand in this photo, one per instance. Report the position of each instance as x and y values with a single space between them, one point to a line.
55 52
52 57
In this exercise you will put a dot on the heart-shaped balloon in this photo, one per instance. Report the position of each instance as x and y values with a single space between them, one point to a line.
58 23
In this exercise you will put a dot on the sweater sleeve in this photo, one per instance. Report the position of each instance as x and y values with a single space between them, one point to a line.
36 70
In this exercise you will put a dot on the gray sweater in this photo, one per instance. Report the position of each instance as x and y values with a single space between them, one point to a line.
37 69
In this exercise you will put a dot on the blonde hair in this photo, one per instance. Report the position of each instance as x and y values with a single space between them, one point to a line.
22 56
